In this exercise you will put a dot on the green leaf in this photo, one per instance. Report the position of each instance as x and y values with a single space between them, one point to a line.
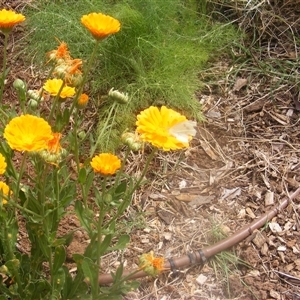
67 194
58 282
68 283
78 258
66 116
38 289
105 244
59 258
90 271
119 273
64 240
82 176
122 242
81 214
89 181
121 188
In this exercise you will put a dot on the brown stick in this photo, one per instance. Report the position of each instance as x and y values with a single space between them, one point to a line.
202 255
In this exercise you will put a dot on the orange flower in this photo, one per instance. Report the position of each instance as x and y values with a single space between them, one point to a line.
54 145
61 52
28 133
8 19
106 164
83 100
150 264
100 25
74 66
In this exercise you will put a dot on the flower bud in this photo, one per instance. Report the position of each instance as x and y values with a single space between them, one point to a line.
35 95
33 103
117 96
19 85
81 135
132 141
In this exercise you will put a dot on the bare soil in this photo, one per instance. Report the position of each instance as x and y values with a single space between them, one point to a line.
243 161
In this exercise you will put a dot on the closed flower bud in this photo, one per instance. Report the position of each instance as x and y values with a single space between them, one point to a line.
132 141
19 85
81 135
117 96
75 80
33 103
61 70
35 95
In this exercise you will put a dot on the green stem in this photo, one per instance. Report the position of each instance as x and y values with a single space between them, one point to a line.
120 172
55 101
150 157
100 135
22 168
11 256
76 147
3 67
85 74
99 231
128 196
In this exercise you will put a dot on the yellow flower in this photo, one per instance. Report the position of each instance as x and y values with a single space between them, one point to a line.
3 164
100 25
52 86
28 133
83 100
165 128
150 264
8 19
5 190
106 164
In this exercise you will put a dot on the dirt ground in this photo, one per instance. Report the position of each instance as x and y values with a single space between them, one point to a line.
243 161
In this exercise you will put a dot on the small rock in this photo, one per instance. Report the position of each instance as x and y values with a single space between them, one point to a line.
201 279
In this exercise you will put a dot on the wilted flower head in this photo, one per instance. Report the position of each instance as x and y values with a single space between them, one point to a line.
150 264
165 128
28 133
53 86
118 96
61 52
4 191
100 25
8 19
3 164
106 163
